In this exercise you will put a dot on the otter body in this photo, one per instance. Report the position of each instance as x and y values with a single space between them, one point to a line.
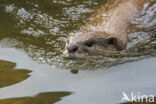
107 32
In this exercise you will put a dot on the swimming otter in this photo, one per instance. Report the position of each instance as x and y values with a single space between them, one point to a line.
109 33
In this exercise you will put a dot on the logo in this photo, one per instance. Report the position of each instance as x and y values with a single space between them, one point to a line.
137 97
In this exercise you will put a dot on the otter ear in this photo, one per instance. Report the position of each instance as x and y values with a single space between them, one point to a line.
116 42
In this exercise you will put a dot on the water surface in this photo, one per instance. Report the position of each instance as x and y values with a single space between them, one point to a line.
33 34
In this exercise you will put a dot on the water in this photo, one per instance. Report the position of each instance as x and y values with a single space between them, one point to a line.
33 34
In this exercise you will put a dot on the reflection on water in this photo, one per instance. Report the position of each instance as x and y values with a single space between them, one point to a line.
9 75
89 86
35 31
42 98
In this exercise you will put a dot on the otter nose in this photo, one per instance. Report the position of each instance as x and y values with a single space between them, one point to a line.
72 48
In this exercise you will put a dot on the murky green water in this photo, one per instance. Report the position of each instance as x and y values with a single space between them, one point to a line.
9 75
33 34
40 29
43 98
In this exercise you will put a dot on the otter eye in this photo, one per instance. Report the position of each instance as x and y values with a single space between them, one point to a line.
111 40
89 43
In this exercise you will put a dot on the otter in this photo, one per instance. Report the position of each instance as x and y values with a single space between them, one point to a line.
107 31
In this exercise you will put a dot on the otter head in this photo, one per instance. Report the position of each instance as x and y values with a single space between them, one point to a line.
91 43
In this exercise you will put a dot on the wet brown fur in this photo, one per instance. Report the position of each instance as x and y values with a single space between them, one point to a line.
113 20
116 23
